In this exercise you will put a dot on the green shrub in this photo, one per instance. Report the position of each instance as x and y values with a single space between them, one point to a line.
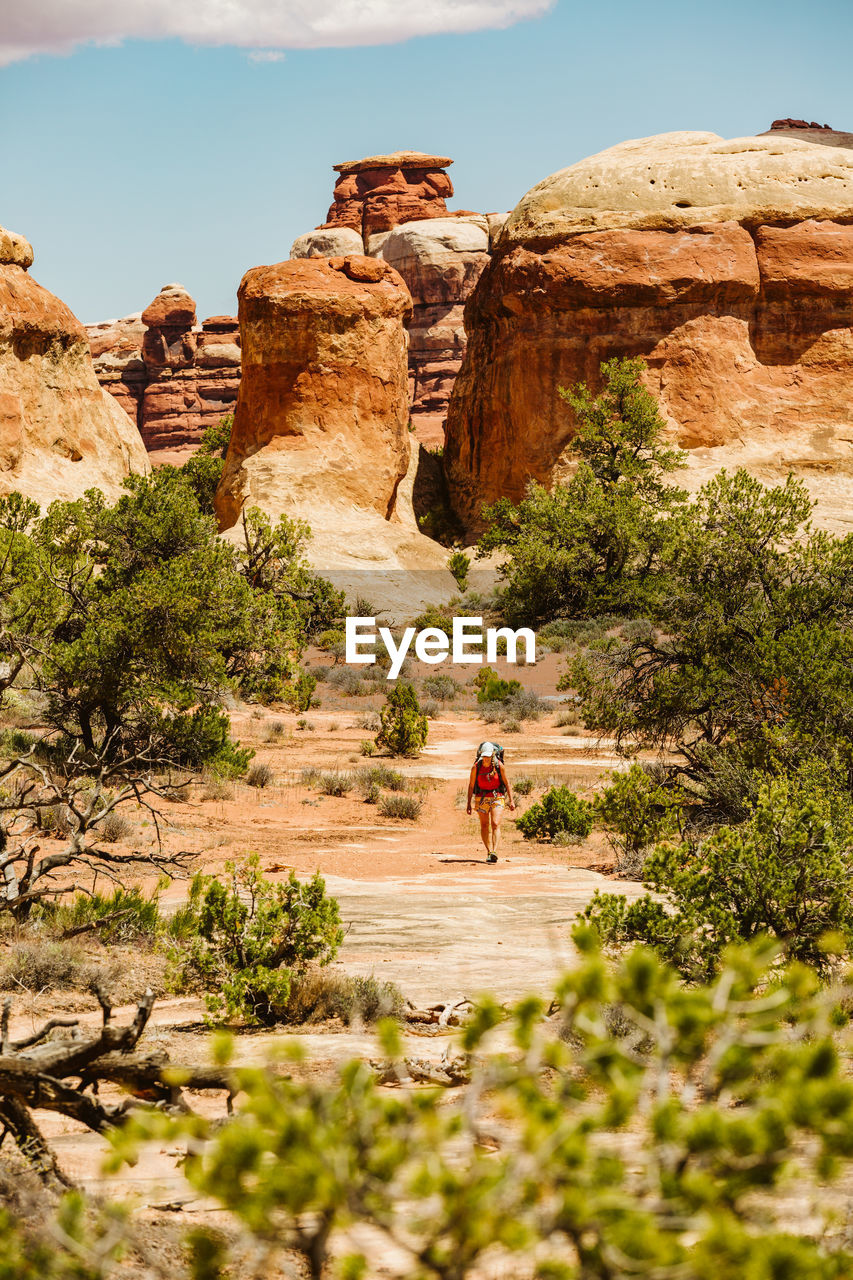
403 726
367 747
372 793
523 786
491 688
786 872
125 915
251 936
459 564
401 806
637 811
558 810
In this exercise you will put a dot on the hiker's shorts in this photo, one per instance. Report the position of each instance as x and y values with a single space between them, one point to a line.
485 804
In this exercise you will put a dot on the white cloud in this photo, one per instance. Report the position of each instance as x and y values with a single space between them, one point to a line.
57 26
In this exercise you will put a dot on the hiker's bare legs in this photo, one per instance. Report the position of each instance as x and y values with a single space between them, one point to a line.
485 835
497 814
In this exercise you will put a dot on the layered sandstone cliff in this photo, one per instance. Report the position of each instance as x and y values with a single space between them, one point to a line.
173 376
321 424
60 434
728 265
394 208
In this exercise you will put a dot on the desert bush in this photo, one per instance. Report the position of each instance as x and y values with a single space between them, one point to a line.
276 731
388 779
319 994
369 720
441 688
492 688
524 704
346 681
403 726
336 783
115 827
367 747
310 776
305 726
786 872
510 725
125 915
401 806
216 789
372 793
54 820
567 718
523 786
250 936
431 709
260 775
333 638
637 811
39 964
491 712
459 564
558 810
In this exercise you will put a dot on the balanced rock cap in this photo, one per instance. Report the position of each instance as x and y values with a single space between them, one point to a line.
15 251
395 160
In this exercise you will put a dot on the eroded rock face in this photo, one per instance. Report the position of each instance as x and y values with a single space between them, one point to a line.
173 376
321 425
380 192
727 265
441 261
60 434
393 208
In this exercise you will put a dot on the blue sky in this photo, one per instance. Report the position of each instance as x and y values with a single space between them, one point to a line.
155 160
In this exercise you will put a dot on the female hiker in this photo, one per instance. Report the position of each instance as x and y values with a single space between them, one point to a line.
487 787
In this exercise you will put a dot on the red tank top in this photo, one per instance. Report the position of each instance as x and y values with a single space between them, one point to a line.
488 779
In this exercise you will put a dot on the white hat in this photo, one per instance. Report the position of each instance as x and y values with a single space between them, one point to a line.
487 749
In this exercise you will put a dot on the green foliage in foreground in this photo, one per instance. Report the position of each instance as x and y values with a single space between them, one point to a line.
597 542
403 727
242 942
643 1130
786 872
559 810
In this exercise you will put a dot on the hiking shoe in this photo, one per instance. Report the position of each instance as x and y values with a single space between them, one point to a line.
493 857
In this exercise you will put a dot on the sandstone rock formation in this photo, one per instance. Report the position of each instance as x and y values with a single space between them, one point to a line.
441 261
727 264
321 425
393 207
380 192
806 131
60 434
116 347
173 376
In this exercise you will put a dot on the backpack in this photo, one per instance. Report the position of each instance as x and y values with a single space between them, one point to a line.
499 759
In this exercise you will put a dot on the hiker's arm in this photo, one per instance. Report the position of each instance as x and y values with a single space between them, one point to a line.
505 781
471 780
